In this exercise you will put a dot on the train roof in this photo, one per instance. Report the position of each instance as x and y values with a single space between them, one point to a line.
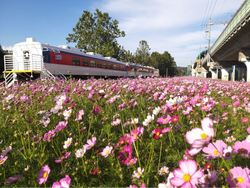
82 52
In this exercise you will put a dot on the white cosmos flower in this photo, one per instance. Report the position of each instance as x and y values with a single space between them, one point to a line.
156 111
138 173
106 151
67 114
67 143
80 152
163 171
134 120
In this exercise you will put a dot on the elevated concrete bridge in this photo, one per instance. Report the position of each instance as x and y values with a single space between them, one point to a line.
229 57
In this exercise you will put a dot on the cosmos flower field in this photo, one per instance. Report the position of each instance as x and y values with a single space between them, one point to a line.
166 132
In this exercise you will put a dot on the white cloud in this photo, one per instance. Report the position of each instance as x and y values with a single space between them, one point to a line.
169 25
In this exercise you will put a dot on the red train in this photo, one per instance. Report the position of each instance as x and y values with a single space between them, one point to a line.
35 56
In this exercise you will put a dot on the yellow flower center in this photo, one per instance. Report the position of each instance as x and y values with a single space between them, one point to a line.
186 177
158 134
216 152
240 179
45 174
203 136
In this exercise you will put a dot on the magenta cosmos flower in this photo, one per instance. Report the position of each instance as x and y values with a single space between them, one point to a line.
164 120
43 174
214 150
239 177
63 183
187 175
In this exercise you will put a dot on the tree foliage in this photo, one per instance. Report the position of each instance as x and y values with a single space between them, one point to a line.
164 62
142 54
126 56
97 33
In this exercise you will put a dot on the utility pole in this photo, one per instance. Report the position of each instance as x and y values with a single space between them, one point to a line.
208 31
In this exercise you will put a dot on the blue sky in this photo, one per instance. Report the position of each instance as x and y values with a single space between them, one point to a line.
176 26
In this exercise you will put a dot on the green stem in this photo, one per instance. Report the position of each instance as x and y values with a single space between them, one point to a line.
137 154
159 157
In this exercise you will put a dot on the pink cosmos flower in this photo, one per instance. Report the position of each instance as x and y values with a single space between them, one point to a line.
65 156
43 174
24 98
236 103
125 139
214 150
122 106
166 130
49 135
79 115
60 126
164 120
135 133
63 183
198 137
242 148
90 143
3 159
188 110
13 179
187 175
248 130
239 177
244 120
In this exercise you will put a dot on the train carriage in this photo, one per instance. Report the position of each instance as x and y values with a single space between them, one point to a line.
35 57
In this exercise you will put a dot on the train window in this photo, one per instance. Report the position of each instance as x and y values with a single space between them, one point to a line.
110 66
58 57
98 64
76 61
92 63
46 56
85 63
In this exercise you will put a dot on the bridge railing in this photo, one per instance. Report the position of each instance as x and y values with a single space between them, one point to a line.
240 15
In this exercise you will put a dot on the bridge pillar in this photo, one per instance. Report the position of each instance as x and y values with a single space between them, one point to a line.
244 56
214 73
247 63
225 74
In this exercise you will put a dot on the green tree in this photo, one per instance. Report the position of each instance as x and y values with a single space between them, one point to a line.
164 62
142 54
126 56
97 33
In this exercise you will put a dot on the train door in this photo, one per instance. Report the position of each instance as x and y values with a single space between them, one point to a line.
26 61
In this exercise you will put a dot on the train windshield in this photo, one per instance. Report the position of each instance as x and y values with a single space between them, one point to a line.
46 55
